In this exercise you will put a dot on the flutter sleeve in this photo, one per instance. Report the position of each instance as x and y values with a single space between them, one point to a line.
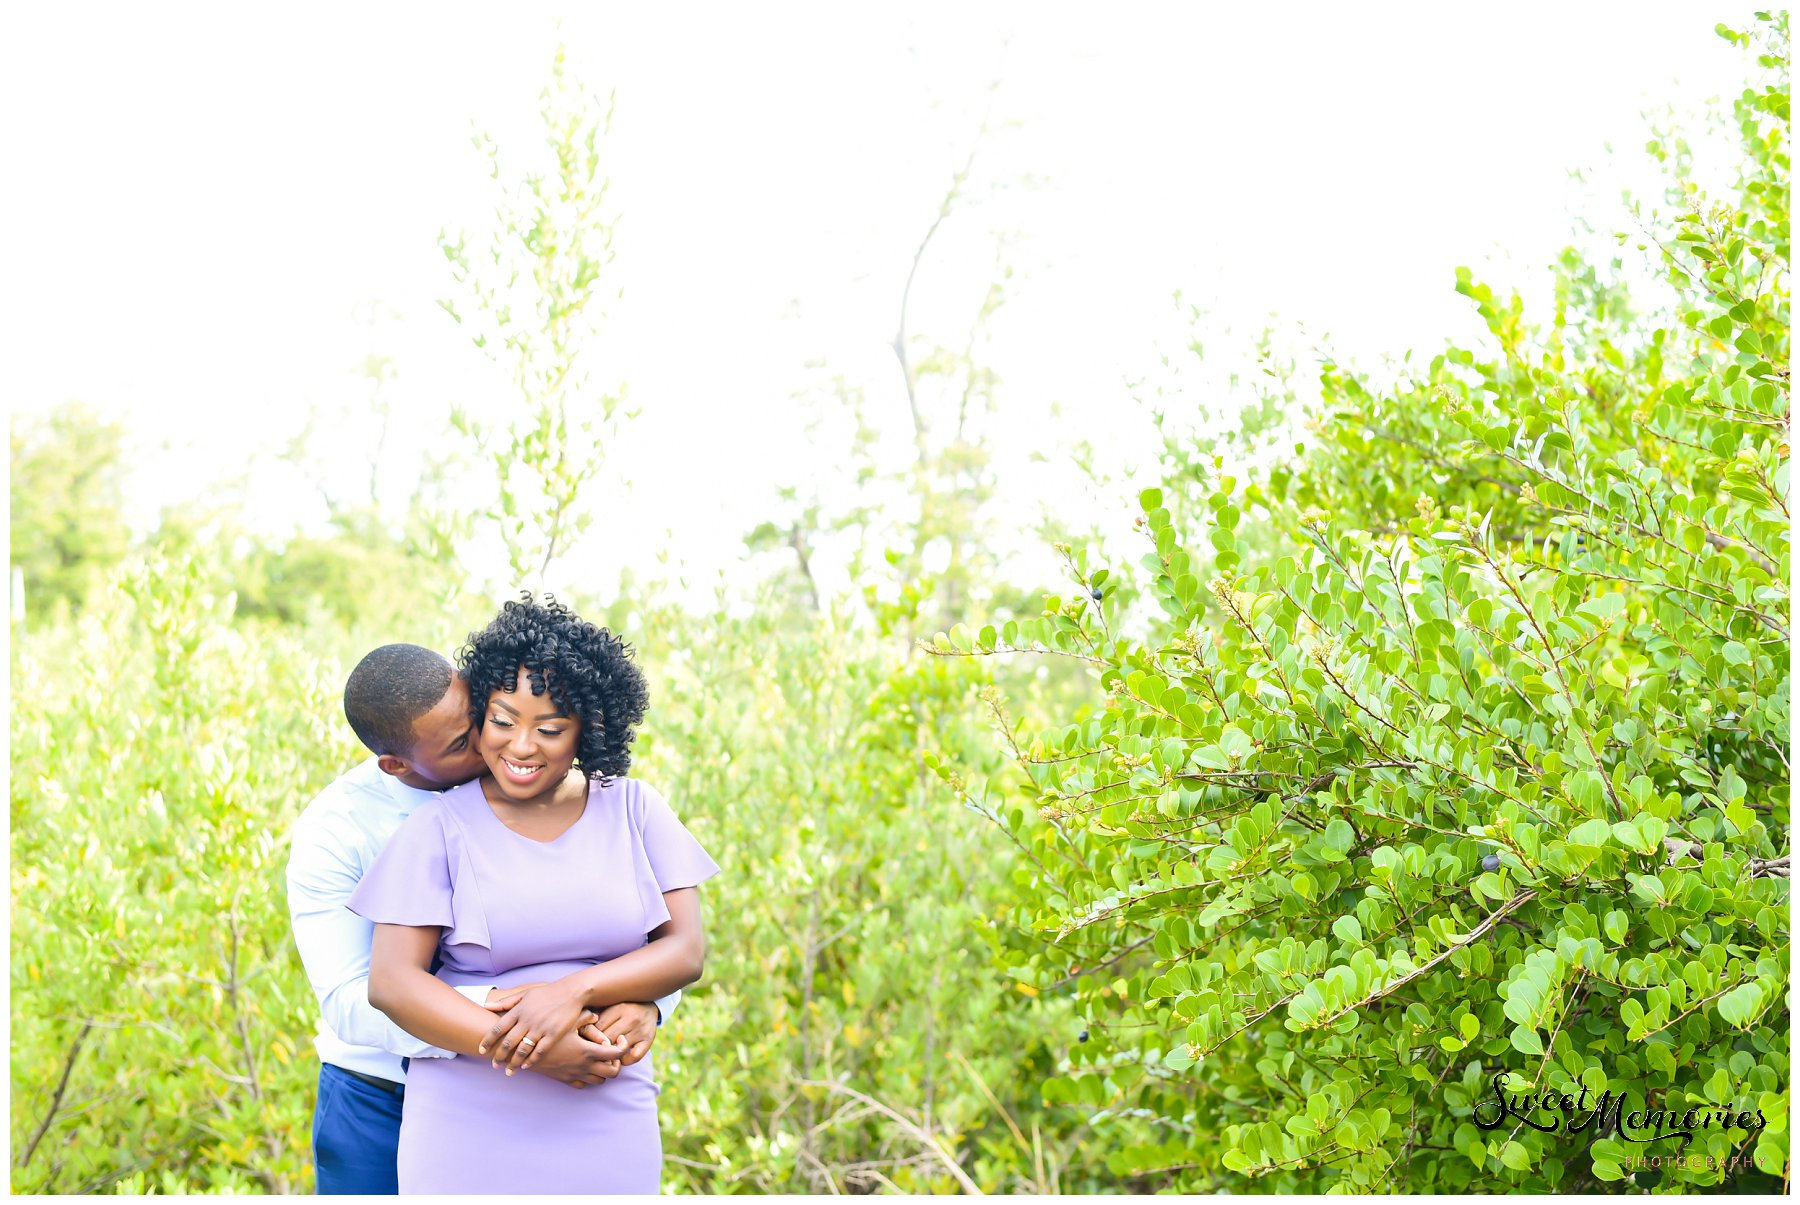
409 882
676 858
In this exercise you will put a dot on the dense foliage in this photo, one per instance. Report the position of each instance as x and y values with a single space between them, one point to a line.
1452 742
851 1031
67 510
160 1021
1488 775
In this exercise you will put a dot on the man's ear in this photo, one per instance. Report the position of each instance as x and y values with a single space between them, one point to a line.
399 767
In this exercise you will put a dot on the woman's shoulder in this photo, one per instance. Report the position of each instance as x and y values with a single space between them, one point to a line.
624 790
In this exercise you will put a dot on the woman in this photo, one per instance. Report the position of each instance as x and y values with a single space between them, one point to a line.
551 867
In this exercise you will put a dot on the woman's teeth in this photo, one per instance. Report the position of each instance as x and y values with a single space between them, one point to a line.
521 771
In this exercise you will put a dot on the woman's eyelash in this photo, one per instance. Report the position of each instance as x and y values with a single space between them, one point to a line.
499 722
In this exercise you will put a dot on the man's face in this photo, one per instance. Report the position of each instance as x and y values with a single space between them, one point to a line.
444 753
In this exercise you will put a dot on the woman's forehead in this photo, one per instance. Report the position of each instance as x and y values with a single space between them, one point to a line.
496 700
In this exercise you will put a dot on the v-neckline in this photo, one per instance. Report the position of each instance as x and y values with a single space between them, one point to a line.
587 805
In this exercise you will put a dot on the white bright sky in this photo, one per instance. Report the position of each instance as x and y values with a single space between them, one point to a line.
203 201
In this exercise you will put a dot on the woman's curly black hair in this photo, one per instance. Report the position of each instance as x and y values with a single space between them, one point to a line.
587 670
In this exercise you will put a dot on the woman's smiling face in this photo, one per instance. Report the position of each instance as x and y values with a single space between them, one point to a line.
528 744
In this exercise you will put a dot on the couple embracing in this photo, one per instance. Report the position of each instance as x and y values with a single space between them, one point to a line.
487 909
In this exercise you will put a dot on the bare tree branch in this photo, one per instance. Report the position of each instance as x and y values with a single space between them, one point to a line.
62 1086
926 1140
1514 904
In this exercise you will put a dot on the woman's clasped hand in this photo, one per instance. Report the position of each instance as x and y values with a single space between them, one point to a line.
542 1016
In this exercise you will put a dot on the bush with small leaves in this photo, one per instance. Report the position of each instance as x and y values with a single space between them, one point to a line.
1488 776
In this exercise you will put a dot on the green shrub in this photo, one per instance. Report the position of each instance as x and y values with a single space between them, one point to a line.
67 505
851 1029
161 1023
851 1033
1489 775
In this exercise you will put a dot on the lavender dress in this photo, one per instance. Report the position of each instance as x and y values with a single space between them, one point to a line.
515 910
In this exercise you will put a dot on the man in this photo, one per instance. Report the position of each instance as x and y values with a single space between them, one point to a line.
410 707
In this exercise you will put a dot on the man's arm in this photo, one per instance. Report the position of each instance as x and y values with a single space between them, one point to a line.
500 999
334 944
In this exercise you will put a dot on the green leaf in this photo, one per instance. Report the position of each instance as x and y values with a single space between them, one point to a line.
1617 924
1515 1156
1526 1040
1592 832
1589 793
1771 1153
1211 757
1337 839
1631 835
1740 1004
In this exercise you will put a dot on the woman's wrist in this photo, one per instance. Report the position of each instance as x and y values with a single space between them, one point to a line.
582 987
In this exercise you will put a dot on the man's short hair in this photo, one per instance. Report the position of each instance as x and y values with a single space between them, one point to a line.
389 690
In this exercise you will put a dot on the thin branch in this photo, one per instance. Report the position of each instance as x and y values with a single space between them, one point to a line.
926 1140
1518 901
62 1086
907 373
1018 1135
1769 868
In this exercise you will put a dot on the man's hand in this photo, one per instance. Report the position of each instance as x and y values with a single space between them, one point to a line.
578 1061
542 1017
631 1027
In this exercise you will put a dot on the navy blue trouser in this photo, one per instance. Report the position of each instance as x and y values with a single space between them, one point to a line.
356 1135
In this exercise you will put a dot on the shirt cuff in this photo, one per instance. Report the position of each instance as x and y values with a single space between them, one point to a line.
479 994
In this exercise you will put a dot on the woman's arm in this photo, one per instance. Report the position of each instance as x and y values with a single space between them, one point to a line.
402 986
674 958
